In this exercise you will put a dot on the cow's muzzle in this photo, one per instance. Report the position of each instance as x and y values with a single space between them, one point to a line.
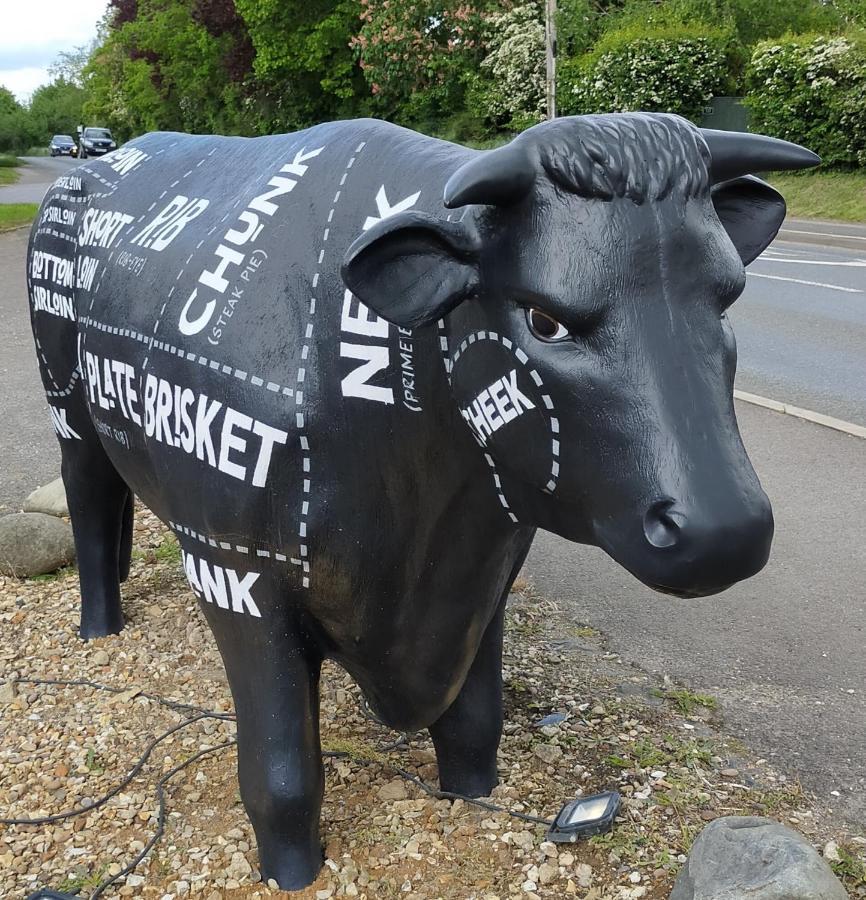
690 552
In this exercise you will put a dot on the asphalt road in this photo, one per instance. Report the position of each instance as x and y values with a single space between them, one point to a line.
36 177
785 653
782 651
801 327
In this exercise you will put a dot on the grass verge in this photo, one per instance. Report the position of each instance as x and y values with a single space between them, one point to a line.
13 215
824 195
9 171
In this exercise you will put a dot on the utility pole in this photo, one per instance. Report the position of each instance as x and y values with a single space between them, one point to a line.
550 45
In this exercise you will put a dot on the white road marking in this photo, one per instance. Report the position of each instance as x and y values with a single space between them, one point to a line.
857 263
834 234
832 287
800 413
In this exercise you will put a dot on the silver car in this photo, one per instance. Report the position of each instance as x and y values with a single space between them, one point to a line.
96 142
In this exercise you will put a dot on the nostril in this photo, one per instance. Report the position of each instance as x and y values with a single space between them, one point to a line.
660 525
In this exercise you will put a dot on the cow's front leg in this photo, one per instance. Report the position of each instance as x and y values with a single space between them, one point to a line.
274 680
467 735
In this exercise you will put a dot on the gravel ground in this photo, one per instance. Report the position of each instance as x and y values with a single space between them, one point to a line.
65 746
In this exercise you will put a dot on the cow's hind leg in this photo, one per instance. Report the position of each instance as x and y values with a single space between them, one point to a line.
467 735
274 678
100 508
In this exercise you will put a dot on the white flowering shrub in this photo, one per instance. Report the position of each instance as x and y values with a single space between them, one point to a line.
811 89
509 90
662 69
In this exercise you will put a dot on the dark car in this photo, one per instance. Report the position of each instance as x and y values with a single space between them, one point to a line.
62 145
95 142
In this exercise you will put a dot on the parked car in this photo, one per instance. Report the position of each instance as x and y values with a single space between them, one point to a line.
62 145
95 142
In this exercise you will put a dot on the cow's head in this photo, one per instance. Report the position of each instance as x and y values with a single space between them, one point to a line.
580 287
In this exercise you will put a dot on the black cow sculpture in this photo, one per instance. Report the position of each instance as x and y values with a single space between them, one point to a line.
354 368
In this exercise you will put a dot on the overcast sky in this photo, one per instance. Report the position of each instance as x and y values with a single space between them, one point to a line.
33 32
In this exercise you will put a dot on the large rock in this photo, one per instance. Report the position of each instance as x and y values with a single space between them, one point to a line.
49 499
33 544
738 857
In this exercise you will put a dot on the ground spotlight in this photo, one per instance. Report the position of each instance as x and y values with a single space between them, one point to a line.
584 817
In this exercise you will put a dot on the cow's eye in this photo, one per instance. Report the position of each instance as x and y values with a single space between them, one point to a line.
545 327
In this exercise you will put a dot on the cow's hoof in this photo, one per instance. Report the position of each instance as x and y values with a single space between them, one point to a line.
291 870
90 630
469 785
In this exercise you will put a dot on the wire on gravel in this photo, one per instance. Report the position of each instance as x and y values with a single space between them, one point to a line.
202 713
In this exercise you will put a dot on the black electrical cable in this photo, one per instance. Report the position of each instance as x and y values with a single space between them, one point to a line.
58 817
83 682
160 820
450 795
202 713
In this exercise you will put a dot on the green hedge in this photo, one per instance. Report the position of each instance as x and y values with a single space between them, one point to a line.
664 68
811 89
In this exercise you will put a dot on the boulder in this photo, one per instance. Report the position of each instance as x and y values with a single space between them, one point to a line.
34 543
745 856
49 499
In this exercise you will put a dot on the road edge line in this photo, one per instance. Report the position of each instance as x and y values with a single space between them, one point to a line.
15 228
800 413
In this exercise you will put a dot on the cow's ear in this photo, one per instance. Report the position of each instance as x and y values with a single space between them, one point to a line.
413 268
752 213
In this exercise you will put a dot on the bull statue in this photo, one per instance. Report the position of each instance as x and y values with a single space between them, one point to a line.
354 368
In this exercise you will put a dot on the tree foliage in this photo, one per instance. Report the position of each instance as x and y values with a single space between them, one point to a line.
668 69
464 69
16 130
177 65
69 64
812 89
416 55
56 108
304 61
509 87
8 103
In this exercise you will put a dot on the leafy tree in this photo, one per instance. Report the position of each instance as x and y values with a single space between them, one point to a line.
304 65
749 20
509 88
852 11
16 133
811 89
669 68
69 64
56 108
416 56
8 103
757 20
458 68
171 65
578 24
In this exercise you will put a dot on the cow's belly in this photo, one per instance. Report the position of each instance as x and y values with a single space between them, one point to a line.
411 655
412 692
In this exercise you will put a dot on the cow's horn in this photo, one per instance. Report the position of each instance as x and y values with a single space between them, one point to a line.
494 177
735 153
